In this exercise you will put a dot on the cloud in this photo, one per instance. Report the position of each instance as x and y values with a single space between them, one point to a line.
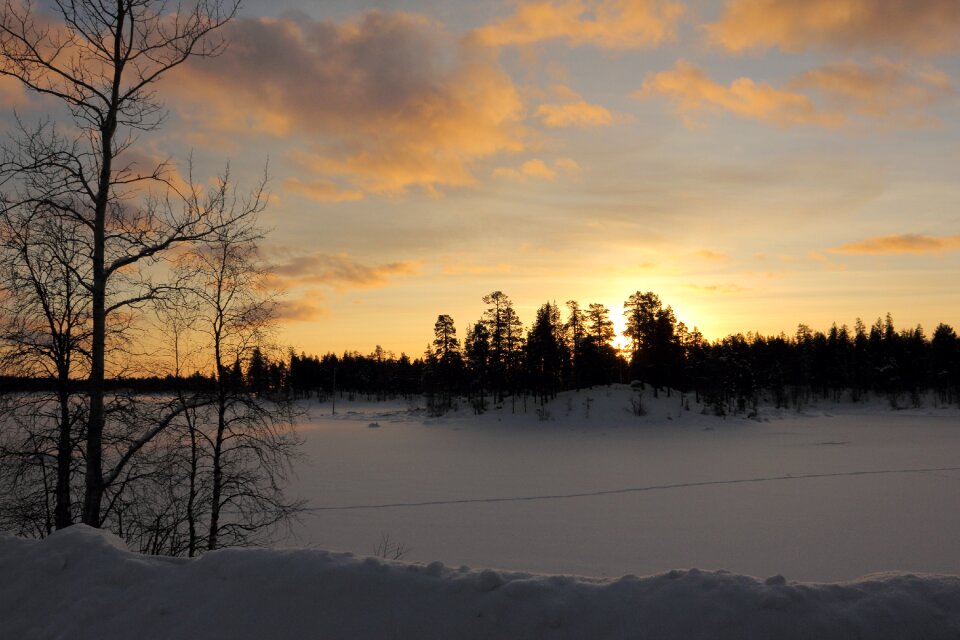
574 114
335 270
537 168
145 159
878 90
707 254
304 309
384 102
882 89
322 190
717 288
923 26
573 111
453 266
692 92
12 93
824 261
908 243
608 24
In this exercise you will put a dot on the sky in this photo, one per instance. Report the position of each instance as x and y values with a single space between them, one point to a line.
756 163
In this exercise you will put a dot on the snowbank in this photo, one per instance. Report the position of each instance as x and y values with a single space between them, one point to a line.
81 583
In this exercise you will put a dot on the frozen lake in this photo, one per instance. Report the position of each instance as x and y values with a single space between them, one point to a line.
615 494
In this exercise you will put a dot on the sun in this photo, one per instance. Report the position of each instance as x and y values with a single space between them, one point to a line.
620 342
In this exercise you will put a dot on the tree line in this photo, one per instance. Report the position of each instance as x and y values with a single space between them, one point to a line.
570 348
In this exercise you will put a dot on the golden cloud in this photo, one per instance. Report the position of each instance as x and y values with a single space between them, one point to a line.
717 288
792 25
883 89
908 243
878 90
825 261
537 168
339 271
708 254
386 102
302 310
608 24
574 114
12 93
573 111
322 190
693 92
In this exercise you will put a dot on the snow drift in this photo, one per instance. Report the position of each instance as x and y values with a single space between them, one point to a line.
82 583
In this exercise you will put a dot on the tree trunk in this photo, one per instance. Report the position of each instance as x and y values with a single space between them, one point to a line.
217 476
93 494
62 516
192 498
93 489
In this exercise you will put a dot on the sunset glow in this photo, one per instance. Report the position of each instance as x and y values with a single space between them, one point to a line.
757 164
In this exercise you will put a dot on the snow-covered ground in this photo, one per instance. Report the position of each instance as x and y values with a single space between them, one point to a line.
833 494
81 584
829 495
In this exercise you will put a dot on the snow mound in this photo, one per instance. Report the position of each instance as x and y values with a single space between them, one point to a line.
80 583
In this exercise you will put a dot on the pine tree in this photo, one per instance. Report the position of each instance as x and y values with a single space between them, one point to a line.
446 360
576 333
478 359
545 352
506 341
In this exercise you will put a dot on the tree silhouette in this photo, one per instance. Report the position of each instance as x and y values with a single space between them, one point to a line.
101 62
546 352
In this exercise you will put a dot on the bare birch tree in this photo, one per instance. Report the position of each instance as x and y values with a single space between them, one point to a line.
44 333
248 438
101 61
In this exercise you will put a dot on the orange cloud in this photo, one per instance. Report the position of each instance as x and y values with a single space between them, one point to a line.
707 254
910 243
302 310
537 168
791 25
883 89
574 111
878 90
530 169
608 24
693 91
338 271
384 102
717 288
825 261
12 93
322 190
146 159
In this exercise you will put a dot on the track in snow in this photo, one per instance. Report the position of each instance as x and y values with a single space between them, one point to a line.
610 492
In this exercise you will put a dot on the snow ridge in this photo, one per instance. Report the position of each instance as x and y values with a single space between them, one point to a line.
82 583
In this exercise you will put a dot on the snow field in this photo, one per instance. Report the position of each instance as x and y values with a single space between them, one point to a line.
753 507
